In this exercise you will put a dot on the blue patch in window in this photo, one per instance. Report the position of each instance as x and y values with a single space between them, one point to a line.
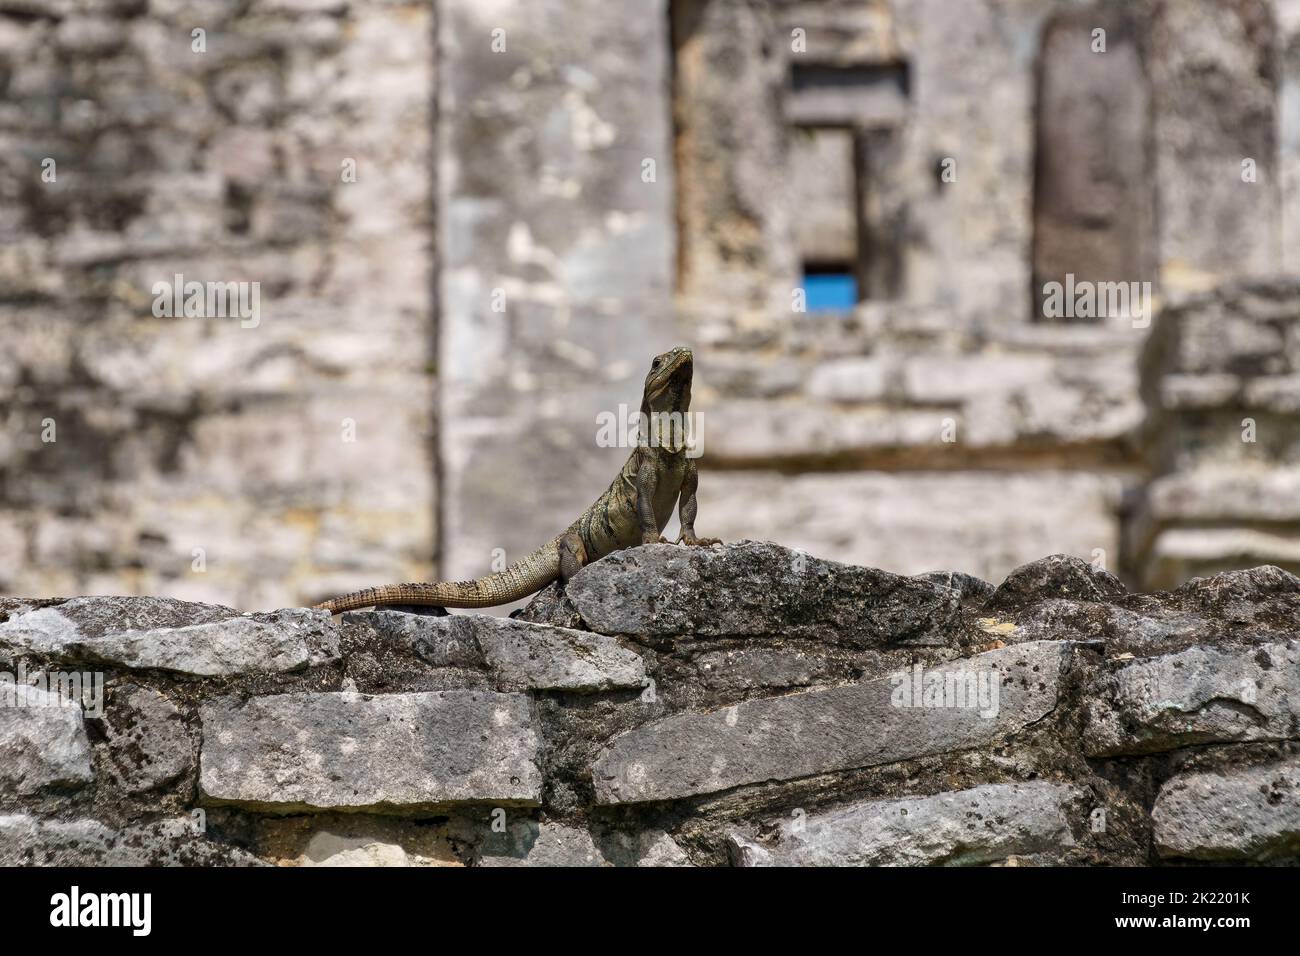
827 291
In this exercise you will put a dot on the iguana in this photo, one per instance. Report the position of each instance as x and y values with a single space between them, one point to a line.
633 510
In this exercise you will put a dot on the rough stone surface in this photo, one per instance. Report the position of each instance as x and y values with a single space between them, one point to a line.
1061 576
1236 815
272 642
1200 695
821 731
43 742
186 436
148 743
755 589
972 589
27 841
964 827
1223 368
519 654
530 844
731 711
320 751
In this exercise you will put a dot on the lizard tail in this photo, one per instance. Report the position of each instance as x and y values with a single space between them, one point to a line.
524 577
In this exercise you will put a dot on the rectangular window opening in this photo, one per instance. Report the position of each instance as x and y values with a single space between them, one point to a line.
830 287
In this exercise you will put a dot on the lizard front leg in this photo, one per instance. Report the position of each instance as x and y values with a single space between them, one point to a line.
647 480
573 555
687 507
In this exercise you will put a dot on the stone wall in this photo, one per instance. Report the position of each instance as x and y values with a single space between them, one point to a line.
1224 383
545 195
747 705
947 421
288 144
556 194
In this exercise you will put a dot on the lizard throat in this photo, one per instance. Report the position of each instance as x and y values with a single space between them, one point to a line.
668 431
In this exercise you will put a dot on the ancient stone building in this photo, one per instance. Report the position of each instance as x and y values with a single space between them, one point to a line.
473 223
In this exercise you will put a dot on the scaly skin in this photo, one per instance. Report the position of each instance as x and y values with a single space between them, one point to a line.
633 510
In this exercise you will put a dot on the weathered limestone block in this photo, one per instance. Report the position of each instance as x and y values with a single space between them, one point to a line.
1057 576
838 728
952 379
1251 814
971 588
1086 402
551 605
580 245
521 655
857 378
747 667
265 643
1200 695
528 843
1120 630
113 631
758 433
822 166
1180 552
531 844
756 589
1215 336
912 522
1183 392
962 827
1203 54
1246 602
28 841
1223 493
43 742
1094 201
346 750
1241 595
148 743
327 849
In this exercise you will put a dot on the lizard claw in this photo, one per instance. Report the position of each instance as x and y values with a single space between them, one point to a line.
693 542
653 539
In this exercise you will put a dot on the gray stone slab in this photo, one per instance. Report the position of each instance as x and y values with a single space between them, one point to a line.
175 841
148 742
1199 695
355 751
962 827
528 843
1241 815
221 642
521 655
831 729
43 741
754 589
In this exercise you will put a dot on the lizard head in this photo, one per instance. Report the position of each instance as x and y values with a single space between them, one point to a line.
668 385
